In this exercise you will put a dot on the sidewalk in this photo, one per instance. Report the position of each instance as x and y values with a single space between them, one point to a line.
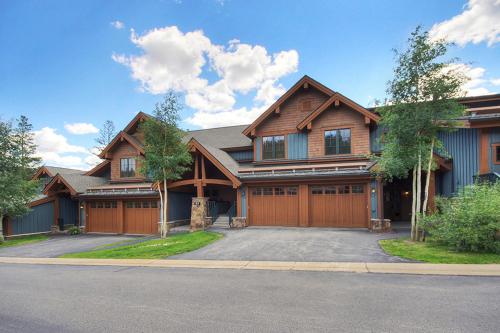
356 267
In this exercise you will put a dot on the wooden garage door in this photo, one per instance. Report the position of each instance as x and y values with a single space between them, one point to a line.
103 217
338 206
274 206
141 217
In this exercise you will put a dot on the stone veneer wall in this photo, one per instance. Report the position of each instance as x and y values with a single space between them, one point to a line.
198 214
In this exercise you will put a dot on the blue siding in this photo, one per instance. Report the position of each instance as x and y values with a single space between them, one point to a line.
375 135
258 145
243 155
494 138
68 211
297 146
243 202
39 219
373 199
463 147
179 206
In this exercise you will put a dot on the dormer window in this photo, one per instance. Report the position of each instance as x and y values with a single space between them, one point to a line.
338 141
127 167
273 147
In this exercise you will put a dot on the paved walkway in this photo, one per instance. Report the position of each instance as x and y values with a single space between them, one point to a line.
297 244
357 267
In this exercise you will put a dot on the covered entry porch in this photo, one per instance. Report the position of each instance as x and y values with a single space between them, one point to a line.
212 186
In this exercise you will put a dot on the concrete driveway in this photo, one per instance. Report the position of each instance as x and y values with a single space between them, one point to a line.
297 244
56 246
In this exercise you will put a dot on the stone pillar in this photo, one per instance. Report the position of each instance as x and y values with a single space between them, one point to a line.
198 214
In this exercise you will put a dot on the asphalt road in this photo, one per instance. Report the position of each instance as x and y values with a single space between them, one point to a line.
37 298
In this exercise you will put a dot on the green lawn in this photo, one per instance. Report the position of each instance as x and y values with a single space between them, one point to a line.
21 240
434 253
153 249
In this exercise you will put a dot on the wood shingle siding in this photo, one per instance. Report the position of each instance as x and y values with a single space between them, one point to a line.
336 118
124 150
291 113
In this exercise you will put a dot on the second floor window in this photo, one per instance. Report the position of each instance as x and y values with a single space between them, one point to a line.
127 167
273 147
338 141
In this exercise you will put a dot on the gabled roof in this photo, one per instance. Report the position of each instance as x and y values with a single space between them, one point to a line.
221 137
132 125
52 171
121 136
74 182
219 158
305 80
336 98
99 168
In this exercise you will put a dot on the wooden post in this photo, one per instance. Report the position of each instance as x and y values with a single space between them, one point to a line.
196 167
484 141
120 216
203 174
303 205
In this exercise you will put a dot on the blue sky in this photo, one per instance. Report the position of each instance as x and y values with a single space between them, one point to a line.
71 65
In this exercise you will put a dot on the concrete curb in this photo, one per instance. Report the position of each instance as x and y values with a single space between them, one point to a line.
356 267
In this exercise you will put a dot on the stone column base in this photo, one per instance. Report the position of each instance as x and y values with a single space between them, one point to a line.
380 225
238 223
198 214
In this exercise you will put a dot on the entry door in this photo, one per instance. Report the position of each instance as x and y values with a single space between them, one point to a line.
103 217
141 217
338 206
274 206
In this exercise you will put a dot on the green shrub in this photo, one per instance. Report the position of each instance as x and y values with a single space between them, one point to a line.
469 221
75 230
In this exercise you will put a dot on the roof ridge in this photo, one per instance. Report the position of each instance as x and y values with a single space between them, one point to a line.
212 128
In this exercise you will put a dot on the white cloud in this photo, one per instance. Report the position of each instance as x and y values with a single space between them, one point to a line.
55 150
269 92
170 59
117 25
175 60
476 84
479 22
217 97
81 128
240 116
495 82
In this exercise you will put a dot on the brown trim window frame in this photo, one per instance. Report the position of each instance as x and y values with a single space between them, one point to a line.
277 149
495 153
332 145
127 167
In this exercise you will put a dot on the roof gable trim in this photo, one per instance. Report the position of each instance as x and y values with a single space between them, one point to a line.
193 143
336 99
305 82
118 139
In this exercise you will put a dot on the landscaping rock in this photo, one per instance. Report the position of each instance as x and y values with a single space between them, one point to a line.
238 223
380 225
